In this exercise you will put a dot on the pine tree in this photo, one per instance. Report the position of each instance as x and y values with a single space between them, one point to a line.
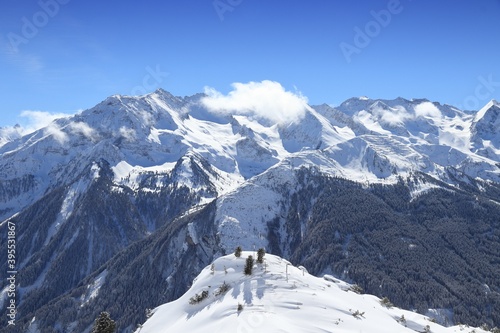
249 265
386 302
260 255
104 324
237 252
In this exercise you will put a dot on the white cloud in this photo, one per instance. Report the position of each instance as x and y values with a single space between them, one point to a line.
35 120
393 116
56 132
427 109
10 133
399 115
85 130
266 99
128 133
147 117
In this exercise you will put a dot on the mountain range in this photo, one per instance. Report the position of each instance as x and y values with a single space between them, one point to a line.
119 207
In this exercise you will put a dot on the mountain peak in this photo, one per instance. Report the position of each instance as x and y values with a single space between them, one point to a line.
378 104
484 130
165 94
417 100
492 106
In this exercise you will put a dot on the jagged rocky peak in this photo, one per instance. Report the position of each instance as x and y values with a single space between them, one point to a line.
489 113
485 131
486 124
355 104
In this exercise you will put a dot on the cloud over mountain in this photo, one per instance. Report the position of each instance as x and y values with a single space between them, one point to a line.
267 99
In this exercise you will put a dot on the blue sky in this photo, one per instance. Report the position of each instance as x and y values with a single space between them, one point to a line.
60 56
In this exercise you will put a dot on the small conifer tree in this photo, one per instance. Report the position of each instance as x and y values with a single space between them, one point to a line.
386 302
249 265
237 252
260 255
104 324
197 298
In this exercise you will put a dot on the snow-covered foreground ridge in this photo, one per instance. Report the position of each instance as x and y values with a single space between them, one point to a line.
278 297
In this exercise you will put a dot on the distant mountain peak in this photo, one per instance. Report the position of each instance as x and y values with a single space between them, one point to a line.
419 100
485 130
378 104
491 107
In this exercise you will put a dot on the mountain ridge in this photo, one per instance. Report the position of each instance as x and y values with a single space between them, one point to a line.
279 297
94 184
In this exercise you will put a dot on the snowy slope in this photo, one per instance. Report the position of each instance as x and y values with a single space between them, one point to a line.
279 297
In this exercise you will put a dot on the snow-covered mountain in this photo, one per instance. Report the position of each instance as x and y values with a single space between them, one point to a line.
484 131
136 183
279 297
362 139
